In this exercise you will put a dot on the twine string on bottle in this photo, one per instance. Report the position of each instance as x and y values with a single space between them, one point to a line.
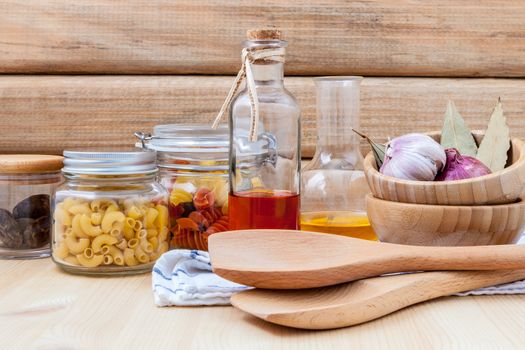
249 56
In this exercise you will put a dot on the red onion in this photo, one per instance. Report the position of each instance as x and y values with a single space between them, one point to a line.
460 167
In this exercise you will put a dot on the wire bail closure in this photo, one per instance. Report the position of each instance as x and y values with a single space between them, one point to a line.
143 137
249 56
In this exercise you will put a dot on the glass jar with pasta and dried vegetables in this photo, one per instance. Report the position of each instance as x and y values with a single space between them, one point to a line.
193 166
110 215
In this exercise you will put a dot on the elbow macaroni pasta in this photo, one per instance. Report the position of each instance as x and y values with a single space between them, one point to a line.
76 228
101 240
62 215
134 212
96 218
151 216
129 257
111 220
61 251
80 208
107 232
72 260
76 246
116 254
88 228
94 261
129 228
108 259
162 218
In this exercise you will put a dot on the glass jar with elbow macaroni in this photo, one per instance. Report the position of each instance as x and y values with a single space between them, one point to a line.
193 166
110 215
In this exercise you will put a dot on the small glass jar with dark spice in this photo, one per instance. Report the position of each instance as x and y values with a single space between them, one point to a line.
27 183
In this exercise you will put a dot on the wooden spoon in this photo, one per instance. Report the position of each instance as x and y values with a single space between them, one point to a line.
356 302
286 259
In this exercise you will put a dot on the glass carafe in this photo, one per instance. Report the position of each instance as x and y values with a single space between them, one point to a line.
333 182
264 173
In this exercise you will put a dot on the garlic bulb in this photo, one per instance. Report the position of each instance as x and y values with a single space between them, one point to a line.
413 157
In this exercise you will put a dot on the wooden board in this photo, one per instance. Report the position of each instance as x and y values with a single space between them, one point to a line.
46 114
327 37
44 308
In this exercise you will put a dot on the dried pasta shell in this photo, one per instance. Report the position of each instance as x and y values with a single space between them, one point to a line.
178 196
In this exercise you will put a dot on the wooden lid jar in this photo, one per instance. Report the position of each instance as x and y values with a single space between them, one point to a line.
27 183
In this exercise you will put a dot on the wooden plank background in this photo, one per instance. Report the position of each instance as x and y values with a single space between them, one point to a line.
327 37
146 62
49 113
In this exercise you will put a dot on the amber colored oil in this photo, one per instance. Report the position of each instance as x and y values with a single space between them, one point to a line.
344 223
263 209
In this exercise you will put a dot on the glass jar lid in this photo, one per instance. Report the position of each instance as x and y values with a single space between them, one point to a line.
30 163
188 147
196 138
109 163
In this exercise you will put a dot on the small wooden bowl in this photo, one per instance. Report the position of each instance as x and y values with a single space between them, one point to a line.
444 225
505 186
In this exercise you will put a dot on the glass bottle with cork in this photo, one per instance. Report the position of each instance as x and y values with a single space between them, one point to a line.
334 185
264 139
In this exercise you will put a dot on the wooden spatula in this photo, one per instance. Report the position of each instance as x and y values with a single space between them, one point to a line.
356 302
281 259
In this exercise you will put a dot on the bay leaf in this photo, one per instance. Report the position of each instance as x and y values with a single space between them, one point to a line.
378 149
496 142
456 134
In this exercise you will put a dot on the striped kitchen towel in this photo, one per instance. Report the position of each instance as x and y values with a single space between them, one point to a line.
184 277
509 288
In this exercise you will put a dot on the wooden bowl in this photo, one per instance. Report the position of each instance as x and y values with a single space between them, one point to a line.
505 186
444 225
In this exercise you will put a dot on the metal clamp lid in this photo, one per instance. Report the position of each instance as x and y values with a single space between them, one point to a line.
179 138
143 138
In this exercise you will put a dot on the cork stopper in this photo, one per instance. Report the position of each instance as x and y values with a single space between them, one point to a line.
264 34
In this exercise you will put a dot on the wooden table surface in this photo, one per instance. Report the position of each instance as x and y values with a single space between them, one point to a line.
42 307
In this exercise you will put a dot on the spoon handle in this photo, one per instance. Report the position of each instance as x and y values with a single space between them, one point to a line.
495 257
361 301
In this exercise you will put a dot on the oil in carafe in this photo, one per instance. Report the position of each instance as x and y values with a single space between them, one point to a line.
333 184
344 223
